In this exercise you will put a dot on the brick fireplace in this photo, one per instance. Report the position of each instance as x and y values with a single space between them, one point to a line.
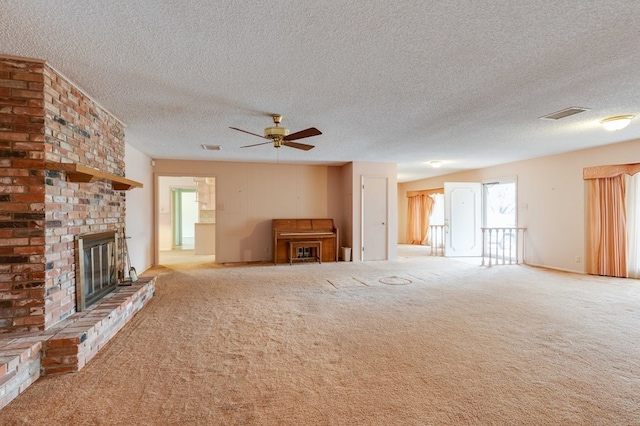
62 186
45 121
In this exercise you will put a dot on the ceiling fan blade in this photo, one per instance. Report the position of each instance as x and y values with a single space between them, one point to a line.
256 144
297 145
311 131
251 133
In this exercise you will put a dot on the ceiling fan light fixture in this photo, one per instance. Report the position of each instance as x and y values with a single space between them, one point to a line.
617 122
279 136
273 132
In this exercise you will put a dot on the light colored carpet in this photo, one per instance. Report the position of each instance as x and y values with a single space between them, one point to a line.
417 341
177 257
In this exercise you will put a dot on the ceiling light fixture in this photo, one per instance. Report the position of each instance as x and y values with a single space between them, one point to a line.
616 123
436 163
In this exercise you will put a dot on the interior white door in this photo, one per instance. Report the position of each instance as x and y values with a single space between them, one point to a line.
463 219
374 218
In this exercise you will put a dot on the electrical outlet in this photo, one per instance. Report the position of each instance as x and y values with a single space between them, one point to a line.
577 259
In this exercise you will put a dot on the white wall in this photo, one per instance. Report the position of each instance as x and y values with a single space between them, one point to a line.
139 214
551 200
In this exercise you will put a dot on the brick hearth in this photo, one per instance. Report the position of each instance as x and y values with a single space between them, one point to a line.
70 345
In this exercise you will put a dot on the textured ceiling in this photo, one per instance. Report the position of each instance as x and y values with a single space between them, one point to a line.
405 81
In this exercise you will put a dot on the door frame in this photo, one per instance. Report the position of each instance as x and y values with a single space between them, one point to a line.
162 183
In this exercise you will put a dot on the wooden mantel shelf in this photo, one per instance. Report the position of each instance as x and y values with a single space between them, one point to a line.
79 173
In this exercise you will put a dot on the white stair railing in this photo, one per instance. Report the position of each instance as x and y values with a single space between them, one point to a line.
502 246
436 240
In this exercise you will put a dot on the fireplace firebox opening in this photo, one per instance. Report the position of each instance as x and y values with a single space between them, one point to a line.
96 267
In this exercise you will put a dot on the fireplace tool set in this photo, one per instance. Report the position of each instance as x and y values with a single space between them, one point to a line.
133 275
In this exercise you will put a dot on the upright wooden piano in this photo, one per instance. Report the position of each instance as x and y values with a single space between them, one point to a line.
304 239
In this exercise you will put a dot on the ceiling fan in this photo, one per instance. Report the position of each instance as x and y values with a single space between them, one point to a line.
280 136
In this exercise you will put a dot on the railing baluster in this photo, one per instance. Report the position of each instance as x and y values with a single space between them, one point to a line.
483 246
512 240
497 246
509 244
437 240
491 244
431 238
517 234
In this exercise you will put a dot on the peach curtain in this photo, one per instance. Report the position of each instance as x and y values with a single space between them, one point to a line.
612 170
606 227
633 225
419 209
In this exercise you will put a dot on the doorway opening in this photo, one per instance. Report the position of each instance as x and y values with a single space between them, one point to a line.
184 216
186 220
499 218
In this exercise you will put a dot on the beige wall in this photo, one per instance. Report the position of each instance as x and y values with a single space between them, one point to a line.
250 195
551 200
346 195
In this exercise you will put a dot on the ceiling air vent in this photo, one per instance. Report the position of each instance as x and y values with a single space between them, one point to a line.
210 147
564 113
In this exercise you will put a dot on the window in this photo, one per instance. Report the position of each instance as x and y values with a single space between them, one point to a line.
499 215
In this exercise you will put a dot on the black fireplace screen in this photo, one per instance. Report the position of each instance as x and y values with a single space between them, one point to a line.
96 274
